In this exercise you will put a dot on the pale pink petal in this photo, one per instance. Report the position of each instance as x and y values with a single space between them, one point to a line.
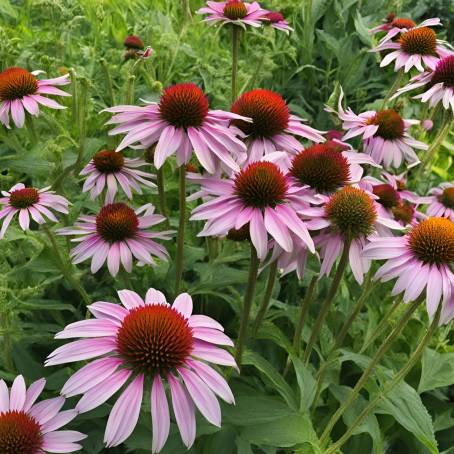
160 415
183 304
17 394
130 299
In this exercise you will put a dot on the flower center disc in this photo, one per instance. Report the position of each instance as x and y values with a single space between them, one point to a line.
184 105
321 167
108 161
432 240
19 434
390 124
447 198
15 83
421 41
444 72
116 222
23 198
269 112
154 338
261 184
352 212
133 42
403 22
235 9
388 196
404 212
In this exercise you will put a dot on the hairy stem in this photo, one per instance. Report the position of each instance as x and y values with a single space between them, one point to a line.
235 47
181 226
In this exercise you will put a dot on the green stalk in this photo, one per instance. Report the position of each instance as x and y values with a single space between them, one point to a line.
266 298
235 48
328 301
380 327
67 272
181 226
414 358
31 130
6 331
130 90
247 304
108 81
385 346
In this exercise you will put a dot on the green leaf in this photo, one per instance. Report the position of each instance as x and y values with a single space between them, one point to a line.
437 370
405 405
282 433
282 387
306 383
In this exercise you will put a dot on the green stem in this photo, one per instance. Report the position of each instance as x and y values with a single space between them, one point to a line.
247 304
414 358
108 81
395 86
130 90
181 225
328 301
6 330
385 346
66 271
380 327
266 298
161 192
74 96
31 130
235 47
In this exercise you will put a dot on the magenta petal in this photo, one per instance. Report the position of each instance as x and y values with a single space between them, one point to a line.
4 397
160 415
130 299
183 304
33 392
17 394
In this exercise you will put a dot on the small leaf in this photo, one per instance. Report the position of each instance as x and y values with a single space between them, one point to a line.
437 370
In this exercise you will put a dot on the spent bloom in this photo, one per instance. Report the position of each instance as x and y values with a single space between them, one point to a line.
179 123
420 260
21 92
415 47
147 341
27 427
350 215
273 127
384 133
277 21
234 12
438 84
259 195
117 234
110 168
30 202
442 201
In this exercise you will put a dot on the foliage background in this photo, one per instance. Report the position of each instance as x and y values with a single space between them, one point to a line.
329 46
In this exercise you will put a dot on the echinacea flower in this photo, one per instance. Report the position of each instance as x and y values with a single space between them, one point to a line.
117 234
110 168
150 341
324 168
133 42
415 47
179 123
384 133
420 260
30 202
235 12
27 427
399 183
439 84
272 127
392 22
261 195
21 91
350 215
442 201
401 25
277 21
287 262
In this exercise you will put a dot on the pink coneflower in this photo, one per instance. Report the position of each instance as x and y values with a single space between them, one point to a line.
414 47
272 126
350 214
30 202
117 234
393 22
27 427
385 134
153 341
260 194
179 123
109 167
324 168
277 21
234 12
21 92
399 183
442 201
287 262
439 84
134 42
420 260
400 25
